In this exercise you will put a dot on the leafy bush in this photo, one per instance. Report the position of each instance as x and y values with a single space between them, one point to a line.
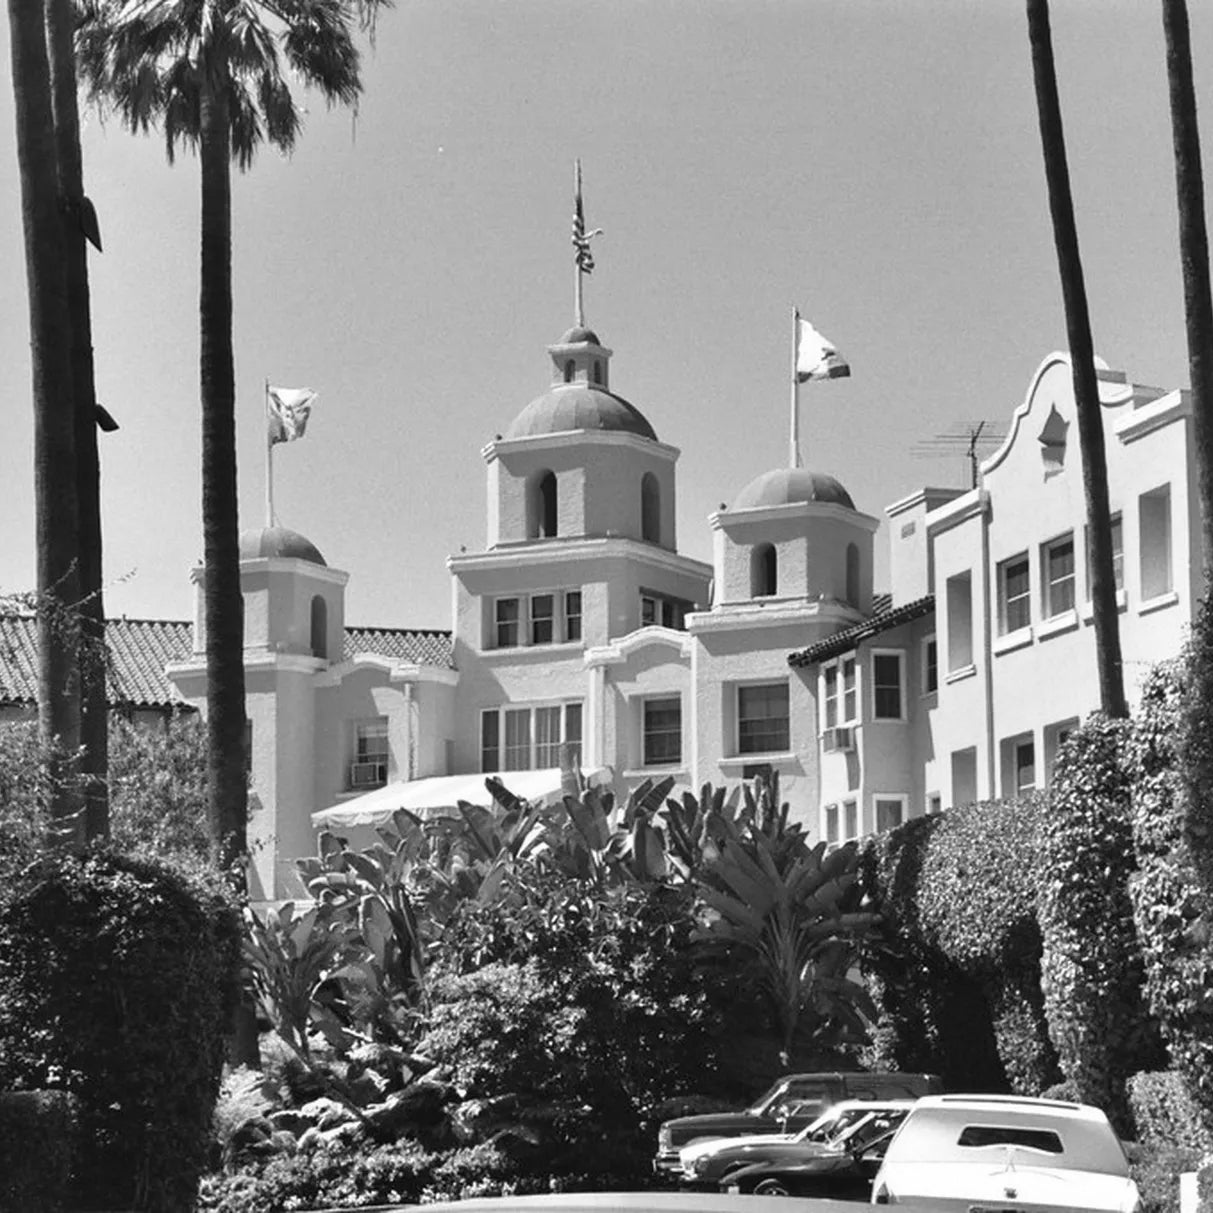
1165 1112
1092 968
37 1148
1156 1168
117 978
1171 911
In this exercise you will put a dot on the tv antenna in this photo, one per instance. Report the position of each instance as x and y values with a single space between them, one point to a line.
973 440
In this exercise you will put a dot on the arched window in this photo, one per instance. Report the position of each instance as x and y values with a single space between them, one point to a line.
597 371
320 627
569 368
853 574
764 571
543 507
650 509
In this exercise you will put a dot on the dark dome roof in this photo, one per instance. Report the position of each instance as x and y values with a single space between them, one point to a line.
579 406
786 485
575 336
277 543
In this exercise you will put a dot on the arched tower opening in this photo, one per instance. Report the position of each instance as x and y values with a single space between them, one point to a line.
764 571
320 627
853 574
541 520
650 508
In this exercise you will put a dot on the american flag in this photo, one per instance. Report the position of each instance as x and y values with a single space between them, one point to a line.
581 238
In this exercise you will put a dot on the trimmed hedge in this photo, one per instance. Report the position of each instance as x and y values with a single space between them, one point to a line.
37 1149
117 979
1171 910
1092 967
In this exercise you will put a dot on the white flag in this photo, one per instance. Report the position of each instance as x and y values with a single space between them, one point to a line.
287 411
816 357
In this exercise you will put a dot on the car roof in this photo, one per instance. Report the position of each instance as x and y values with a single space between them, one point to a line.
1011 1105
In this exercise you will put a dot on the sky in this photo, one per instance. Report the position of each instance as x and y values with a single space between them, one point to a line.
875 163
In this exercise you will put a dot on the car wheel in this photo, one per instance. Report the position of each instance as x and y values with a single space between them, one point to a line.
771 1187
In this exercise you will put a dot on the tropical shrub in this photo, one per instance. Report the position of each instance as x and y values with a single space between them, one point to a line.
1171 909
117 979
37 1149
1092 966
1165 1113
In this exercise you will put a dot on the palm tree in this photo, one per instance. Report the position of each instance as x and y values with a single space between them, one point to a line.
1082 364
1194 255
210 73
79 228
54 437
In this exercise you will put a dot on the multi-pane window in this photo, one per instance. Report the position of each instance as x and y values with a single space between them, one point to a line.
887 686
1154 522
1014 594
830 823
369 766
890 812
762 719
1118 555
662 731
850 698
508 618
1019 770
1057 568
850 819
830 695
657 609
930 666
572 615
528 738
543 620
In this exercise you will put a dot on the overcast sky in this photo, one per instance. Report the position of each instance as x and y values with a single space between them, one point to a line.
876 163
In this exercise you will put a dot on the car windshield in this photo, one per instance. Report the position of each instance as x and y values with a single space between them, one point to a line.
788 1091
829 1125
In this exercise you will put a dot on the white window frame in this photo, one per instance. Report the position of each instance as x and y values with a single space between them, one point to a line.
851 716
928 643
849 808
519 622
900 655
370 728
524 625
1118 557
1004 602
831 701
568 616
679 610
767 684
831 813
934 803
1012 747
503 713
550 618
1152 588
959 587
1050 585
902 800
673 763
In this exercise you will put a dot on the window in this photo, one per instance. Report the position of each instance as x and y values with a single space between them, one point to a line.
1014 595
934 803
1154 537
1055 738
597 371
543 621
960 622
762 719
1057 576
320 627
650 509
964 776
1018 765
572 615
850 819
764 571
886 686
662 730
829 695
829 827
370 761
546 506
528 738
850 698
507 620
930 666
1044 1141
890 812
570 368
656 609
1118 556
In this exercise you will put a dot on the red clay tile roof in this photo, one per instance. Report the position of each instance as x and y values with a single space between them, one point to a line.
883 618
141 648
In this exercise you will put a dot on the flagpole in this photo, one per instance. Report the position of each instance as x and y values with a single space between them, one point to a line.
269 462
795 452
578 308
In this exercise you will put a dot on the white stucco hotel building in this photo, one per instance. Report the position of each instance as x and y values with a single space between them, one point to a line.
580 622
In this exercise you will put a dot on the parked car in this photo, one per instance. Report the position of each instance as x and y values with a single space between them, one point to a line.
709 1164
794 1102
845 1173
1008 1151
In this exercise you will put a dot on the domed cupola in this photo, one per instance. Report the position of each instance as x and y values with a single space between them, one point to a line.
579 398
784 486
278 543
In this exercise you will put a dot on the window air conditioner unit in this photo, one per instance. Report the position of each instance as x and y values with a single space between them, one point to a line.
834 741
367 774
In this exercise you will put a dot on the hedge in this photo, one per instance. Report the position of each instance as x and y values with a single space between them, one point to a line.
37 1149
117 978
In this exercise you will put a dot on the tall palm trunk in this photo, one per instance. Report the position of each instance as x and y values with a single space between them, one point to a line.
54 402
94 741
1194 256
223 605
1082 361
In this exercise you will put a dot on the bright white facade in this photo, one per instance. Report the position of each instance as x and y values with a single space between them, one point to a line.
581 624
